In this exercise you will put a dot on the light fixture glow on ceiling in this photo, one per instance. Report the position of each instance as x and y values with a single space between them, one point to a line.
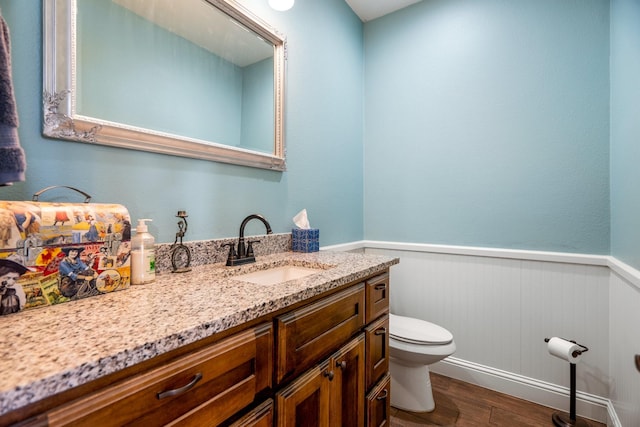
281 5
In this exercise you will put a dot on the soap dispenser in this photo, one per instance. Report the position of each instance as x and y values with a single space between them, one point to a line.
143 256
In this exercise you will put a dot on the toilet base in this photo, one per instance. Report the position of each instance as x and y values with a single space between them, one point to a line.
411 387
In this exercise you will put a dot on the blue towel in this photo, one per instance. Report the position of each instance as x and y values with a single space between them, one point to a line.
12 158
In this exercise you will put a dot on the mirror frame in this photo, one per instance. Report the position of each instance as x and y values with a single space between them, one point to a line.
59 87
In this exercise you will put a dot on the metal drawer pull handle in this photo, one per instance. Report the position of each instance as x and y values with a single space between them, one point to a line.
169 393
381 331
381 287
384 395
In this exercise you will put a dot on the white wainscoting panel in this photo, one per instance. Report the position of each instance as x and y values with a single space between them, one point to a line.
569 301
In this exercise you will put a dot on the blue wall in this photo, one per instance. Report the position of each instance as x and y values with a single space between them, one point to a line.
323 134
487 124
625 131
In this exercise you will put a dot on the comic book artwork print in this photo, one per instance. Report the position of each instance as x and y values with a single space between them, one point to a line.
52 253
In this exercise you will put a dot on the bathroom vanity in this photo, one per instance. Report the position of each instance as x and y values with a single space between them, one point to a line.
210 347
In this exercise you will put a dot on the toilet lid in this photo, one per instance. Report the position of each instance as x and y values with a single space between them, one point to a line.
417 331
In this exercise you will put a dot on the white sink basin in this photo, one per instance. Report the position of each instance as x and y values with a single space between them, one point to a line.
276 275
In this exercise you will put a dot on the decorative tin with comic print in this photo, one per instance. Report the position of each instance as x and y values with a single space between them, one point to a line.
52 253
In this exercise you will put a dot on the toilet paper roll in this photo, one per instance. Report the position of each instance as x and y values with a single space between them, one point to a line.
565 350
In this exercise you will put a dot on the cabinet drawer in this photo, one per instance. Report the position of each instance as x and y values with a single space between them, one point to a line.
311 333
209 384
379 404
377 290
377 352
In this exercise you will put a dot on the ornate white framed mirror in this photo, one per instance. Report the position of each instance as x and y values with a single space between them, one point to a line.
194 78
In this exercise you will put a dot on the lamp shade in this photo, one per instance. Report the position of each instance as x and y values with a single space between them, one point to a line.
281 5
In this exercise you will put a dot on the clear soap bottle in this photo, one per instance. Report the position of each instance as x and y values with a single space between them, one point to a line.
143 255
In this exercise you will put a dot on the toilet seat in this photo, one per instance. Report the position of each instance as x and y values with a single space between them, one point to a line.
416 331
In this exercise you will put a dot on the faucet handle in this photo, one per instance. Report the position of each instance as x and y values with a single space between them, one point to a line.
232 253
250 247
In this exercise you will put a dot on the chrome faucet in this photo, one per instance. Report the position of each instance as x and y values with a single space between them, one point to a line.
244 254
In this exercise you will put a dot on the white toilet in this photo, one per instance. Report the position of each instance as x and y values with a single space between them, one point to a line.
415 344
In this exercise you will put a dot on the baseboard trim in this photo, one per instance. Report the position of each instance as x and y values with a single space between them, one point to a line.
587 405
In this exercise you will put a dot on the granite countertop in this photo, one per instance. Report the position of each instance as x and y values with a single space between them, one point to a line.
52 349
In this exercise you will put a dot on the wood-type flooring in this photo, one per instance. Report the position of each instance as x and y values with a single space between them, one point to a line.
462 404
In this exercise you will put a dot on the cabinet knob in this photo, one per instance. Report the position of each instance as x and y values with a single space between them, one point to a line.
342 365
329 374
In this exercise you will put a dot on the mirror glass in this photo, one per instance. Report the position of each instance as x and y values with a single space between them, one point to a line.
194 78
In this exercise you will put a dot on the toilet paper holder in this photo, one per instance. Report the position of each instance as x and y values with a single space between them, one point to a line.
562 419
576 353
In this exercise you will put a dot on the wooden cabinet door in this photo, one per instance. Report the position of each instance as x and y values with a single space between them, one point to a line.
379 404
347 385
305 402
377 350
330 394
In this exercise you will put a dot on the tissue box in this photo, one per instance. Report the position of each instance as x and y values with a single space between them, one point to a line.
305 240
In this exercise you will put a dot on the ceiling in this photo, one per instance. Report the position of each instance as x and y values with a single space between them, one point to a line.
368 10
